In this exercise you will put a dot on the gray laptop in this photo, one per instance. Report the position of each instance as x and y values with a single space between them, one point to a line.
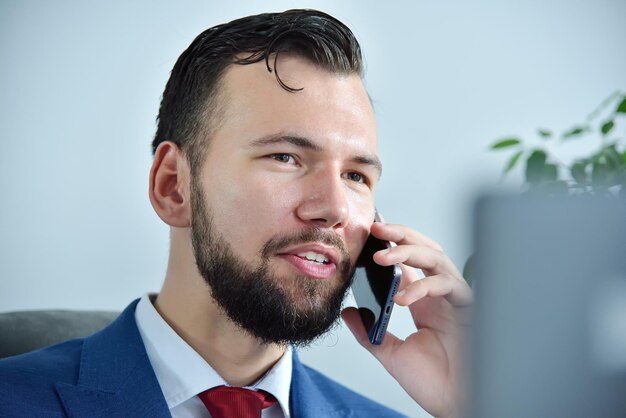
550 315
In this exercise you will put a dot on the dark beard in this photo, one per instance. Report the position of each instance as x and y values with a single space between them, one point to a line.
297 312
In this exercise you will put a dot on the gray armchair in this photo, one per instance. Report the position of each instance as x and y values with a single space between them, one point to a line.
25 331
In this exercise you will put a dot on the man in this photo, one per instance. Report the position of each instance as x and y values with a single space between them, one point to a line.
265 165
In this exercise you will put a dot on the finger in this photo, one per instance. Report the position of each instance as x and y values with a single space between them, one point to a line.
455 290
409 275
401 234
382 352
425 258
352 318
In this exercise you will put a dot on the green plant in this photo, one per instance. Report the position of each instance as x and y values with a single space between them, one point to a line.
603 171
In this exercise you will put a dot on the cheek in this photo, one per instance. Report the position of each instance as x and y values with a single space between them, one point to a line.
361 218
250 211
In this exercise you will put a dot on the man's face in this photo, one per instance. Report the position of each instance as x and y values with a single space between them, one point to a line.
284 200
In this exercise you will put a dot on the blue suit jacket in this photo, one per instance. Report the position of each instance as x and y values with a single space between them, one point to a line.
108 374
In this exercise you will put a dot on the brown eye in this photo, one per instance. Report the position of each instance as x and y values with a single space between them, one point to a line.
283 158
356 177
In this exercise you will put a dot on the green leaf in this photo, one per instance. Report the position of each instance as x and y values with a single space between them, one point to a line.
506 143
621 108
606 128
534 166
608 100
550 172
613 158
600 173
575 132
578 173
596 157
544 133
513 161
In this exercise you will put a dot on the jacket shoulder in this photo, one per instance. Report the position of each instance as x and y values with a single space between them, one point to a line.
27 381
343 398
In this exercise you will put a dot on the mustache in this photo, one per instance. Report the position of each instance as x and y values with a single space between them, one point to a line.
279 242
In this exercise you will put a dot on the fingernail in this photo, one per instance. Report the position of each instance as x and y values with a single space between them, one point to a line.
401 292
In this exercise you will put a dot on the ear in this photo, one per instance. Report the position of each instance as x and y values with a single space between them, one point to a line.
169 185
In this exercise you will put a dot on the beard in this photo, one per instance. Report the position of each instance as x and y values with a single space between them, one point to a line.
293 309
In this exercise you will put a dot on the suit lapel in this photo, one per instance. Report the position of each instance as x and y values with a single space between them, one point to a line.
115 376
306 398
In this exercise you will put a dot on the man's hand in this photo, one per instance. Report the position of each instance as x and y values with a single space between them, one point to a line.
428 363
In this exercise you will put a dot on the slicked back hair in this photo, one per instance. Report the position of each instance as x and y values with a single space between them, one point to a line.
189 111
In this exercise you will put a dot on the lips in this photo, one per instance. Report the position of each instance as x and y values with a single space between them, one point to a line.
314 260
313 256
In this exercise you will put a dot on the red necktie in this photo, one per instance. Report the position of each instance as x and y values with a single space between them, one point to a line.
234 402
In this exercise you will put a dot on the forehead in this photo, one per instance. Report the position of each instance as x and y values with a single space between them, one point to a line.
332 109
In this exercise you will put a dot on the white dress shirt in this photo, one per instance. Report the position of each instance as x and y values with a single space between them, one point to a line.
182 373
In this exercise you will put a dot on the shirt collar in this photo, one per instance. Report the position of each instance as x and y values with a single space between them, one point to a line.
182 373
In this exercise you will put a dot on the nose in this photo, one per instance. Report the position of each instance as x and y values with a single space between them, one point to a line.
325 202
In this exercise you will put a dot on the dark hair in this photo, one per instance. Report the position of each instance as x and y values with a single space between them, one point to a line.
189 105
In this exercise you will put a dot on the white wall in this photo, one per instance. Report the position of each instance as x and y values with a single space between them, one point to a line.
80 84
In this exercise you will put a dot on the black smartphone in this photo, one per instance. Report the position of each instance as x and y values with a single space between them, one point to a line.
373 287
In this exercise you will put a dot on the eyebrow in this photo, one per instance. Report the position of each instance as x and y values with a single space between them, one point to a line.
298 141
306 143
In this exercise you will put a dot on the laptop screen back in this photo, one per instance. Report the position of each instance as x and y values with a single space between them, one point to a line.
549 336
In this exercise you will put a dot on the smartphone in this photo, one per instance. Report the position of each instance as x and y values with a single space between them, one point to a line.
373 287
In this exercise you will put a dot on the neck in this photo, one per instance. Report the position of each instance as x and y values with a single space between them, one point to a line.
186 305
